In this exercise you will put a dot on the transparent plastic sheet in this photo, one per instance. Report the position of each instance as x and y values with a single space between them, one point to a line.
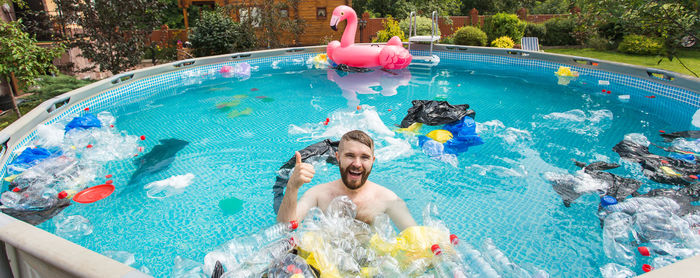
72 227
577 121
186 268
613 270
168 187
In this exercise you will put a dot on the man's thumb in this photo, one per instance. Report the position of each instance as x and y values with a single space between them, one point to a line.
298 157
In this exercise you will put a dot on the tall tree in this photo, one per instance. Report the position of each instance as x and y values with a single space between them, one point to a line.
112 34
275 20
22 58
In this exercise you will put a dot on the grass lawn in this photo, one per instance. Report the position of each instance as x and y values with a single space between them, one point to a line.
691 58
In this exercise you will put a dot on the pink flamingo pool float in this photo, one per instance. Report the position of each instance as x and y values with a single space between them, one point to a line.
389 56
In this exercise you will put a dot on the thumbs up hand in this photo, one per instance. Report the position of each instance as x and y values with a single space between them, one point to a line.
303 173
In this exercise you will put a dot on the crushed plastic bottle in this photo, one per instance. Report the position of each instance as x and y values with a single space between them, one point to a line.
186 268
237 250
500 262
613 270
72 227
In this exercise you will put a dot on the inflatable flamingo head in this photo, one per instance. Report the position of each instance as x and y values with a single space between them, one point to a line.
341 13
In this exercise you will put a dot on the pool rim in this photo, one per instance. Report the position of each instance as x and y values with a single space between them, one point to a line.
23 256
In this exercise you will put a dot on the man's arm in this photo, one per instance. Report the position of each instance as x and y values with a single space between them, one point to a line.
289 208
399 214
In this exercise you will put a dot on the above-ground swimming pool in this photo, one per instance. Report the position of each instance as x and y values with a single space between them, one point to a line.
231 134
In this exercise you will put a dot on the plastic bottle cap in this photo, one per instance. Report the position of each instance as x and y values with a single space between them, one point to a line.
111 125
291 268
389 110
647 268
662 131
664 162
643 250
454 239
603 90
87 108
293 224
607 200
293 241
358 107
62 194
108 182
436 249
108 176
88 146
143 137
16 189
693 177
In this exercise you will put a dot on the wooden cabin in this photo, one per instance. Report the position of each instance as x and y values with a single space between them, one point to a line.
315 13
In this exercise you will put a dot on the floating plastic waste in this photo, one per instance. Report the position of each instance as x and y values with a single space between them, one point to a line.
169 187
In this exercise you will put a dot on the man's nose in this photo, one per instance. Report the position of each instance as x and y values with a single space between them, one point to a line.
357 162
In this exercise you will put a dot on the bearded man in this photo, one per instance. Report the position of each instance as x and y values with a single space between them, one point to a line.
355 159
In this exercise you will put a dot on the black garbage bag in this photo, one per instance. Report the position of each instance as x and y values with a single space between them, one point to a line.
659 168
683 197
434 112
618 187
36 217
668 137
324 148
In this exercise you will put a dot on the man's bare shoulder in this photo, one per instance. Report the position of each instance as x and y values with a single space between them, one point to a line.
383 193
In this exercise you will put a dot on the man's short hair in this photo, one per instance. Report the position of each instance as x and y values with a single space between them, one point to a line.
359 136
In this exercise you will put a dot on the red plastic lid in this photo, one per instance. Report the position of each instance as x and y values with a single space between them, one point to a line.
643 250
436 249
693 177
16 189
94 194
62 194
647 268
454 239
293 224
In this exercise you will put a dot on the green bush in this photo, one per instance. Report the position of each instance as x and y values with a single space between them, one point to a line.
216 33
391 28
48 86
535 30
504 24
448 39
642 45
599 43
503 42
559 32
470 35
424 26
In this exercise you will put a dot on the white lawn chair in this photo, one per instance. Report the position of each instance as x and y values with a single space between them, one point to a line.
530 43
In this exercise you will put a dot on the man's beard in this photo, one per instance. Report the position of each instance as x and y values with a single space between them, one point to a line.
344 178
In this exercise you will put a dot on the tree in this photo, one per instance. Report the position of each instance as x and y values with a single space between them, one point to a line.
215 32
402 8
272 24
112 34
677 22
22 58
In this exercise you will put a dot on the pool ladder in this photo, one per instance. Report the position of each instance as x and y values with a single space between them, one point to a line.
425 61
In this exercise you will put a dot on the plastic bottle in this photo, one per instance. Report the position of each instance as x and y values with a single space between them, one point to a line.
444 267
470 256
266 256
30 199
631 206
237 250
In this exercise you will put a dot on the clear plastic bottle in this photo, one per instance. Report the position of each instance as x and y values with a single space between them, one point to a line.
633 205
30 199
471 257
444 267
237 250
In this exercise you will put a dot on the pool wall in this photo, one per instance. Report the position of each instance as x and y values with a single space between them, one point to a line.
32 252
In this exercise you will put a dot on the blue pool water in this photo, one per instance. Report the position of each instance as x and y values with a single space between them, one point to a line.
530 125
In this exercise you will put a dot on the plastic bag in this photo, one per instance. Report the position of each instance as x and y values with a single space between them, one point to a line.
433 112
84 122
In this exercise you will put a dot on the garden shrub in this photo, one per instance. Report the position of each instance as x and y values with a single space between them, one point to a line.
642 45
559 32
470 35
391 28
503 42
449 39
216 33
424 26
599 43
535 30
504 24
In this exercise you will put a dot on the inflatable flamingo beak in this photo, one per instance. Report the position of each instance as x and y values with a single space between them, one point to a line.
334 22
